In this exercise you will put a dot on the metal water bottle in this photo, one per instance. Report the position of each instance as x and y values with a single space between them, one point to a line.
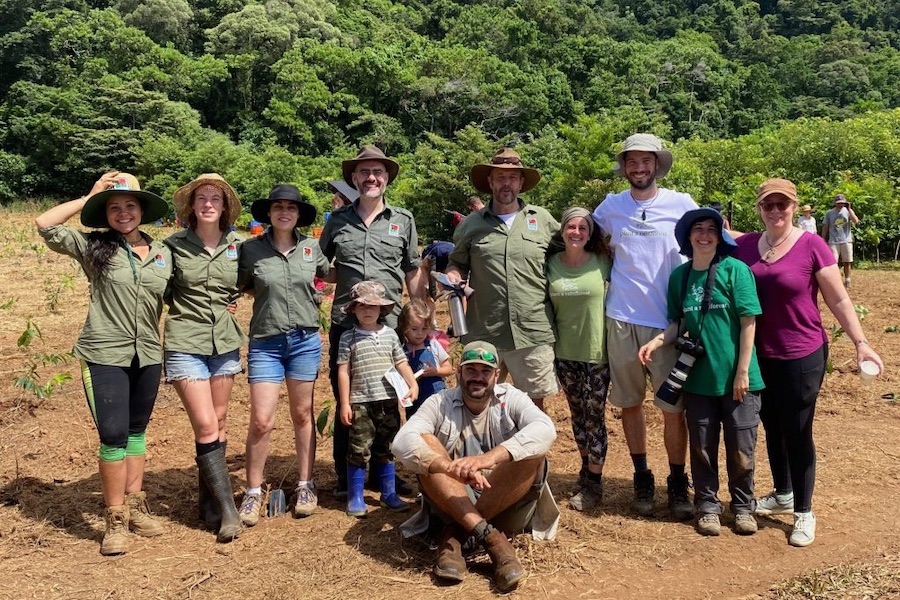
454 292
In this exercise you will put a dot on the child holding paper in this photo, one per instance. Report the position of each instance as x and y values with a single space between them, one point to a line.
425 354
368 401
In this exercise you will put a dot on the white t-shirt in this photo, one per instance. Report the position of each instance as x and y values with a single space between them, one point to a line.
807 224
644 253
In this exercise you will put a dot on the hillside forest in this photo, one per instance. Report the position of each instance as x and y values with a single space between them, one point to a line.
282 90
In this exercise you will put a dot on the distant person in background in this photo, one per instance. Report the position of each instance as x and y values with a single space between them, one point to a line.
836 229
202 338
344 194
474 203
791 268
717 206
119 346
807 222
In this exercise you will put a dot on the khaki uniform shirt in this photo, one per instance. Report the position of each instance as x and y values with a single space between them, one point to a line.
123 316
202 286
385 251
283 286
510 307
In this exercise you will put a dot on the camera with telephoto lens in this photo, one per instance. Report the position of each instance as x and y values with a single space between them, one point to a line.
690 350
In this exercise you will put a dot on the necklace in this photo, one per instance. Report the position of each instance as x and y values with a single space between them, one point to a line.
643 207
770 253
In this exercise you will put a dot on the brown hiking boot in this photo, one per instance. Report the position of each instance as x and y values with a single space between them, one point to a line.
115 540
508 571
140 520
450 564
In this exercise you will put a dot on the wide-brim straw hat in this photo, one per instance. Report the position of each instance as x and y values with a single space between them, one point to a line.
506 158
153 208
260 208
645 142
182 197
369 152
806 208
726 245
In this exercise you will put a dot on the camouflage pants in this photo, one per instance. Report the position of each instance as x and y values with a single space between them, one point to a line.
373 429
586 386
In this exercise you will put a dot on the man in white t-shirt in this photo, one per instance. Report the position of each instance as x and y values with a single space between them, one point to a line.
640 224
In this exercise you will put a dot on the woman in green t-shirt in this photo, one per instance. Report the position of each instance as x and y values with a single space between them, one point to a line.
577 282
714 297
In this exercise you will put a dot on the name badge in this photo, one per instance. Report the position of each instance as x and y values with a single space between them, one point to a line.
394 230
160 261
231 252
532 224
307 254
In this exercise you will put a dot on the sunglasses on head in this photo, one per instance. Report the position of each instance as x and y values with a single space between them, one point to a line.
479 354
781 205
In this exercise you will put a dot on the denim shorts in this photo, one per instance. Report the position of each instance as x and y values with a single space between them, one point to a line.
183 366
292 355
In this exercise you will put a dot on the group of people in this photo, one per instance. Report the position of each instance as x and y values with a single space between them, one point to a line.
594 303
836 230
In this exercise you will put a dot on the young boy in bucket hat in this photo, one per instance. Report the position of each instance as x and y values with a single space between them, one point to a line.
369 404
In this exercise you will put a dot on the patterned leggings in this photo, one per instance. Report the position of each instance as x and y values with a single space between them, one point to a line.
586 386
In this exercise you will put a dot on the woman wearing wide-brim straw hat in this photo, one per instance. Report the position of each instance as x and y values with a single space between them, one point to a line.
278 268
119 345
202 338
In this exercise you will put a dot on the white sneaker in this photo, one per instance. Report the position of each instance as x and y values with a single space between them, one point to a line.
804 532
775 504
708 524
307 501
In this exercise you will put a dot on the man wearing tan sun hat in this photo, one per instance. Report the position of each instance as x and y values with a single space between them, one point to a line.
203 339
501 249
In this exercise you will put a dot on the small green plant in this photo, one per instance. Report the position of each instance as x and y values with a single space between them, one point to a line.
7 304
55 288
30 380
892 329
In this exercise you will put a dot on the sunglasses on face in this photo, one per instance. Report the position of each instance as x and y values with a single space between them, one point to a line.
479 354
781 205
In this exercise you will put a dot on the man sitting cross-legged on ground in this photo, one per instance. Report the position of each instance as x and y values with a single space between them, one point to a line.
479 450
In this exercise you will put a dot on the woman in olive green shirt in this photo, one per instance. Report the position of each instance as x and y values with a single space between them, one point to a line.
278 269
202 338
119 344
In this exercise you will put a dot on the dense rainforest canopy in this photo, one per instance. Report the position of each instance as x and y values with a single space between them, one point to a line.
280 91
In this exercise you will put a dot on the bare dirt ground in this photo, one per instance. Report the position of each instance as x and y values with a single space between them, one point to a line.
50 504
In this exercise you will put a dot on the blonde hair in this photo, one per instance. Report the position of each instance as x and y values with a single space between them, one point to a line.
415 309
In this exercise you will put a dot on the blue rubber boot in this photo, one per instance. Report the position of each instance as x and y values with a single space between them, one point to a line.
356 481
389 497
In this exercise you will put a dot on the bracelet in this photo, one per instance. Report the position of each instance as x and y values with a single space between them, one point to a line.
861 342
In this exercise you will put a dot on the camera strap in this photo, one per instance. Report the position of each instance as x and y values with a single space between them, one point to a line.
707 289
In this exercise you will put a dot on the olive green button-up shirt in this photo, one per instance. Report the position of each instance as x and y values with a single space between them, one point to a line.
385 251
123 316
511 306
282 285
202 285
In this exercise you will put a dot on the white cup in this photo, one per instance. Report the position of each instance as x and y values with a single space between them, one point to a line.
868 371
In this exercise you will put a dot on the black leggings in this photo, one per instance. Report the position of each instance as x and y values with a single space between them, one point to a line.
121 399
788 409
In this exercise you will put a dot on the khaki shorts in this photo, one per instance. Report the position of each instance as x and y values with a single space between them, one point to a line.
629 376
843 253
531 370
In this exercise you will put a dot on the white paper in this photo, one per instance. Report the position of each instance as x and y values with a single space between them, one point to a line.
399 384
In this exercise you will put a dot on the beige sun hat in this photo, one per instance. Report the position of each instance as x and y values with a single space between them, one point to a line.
182 197
645 142
369 292
506 158
93 214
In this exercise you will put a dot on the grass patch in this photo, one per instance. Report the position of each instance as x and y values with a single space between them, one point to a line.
877 579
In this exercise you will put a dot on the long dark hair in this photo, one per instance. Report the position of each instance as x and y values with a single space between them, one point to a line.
102 246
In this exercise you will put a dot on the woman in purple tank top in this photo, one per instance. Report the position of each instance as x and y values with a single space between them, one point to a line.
791 268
